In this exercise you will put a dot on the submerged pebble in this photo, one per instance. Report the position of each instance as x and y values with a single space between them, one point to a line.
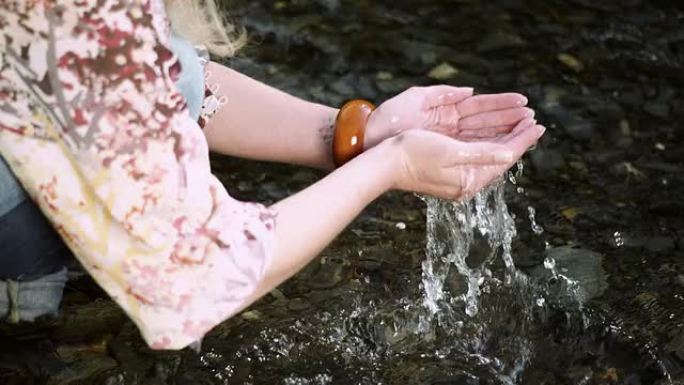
298 304
573 266
443 71
570 62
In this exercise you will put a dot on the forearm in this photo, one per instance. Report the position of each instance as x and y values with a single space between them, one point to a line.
263 123
309 220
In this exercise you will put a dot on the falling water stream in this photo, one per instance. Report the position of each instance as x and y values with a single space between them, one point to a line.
470 243
452 232
466 242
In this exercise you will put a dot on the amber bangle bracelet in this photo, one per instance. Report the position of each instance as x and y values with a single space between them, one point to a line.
350 129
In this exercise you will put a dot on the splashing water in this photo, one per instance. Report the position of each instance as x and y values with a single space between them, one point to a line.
471 242
452 231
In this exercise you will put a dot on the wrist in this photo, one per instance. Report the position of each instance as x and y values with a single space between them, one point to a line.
373 132
380 165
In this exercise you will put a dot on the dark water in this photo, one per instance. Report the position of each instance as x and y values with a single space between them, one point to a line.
605 185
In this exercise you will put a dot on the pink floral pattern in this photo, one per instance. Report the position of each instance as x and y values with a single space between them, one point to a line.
93 126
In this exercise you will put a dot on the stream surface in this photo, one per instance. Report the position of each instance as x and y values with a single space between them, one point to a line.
571 272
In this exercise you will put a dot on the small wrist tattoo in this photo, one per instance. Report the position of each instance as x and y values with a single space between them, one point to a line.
327 131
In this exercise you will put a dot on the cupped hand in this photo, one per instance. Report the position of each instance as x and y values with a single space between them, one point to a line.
449 110
438 165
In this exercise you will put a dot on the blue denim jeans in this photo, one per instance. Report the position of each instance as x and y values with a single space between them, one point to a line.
33 258
11 193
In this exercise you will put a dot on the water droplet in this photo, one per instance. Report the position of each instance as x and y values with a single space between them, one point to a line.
520 169
550 263
535 227
511 178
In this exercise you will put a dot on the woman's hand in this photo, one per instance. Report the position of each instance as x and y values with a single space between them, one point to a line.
444 167
453 111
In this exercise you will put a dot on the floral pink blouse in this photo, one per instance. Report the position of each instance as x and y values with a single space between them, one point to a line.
96 131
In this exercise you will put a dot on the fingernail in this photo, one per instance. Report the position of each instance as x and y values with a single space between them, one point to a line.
529 113
522 101
503 157
542 130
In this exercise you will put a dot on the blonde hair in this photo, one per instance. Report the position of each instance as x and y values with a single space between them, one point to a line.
200 22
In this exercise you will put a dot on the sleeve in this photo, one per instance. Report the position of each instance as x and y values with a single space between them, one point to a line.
91 123
212 100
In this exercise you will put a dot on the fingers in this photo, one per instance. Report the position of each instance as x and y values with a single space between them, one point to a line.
493 102
484 133
506 117
442 119
504 150
515 130
523 136
477 164
445 95
481 153
468 180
